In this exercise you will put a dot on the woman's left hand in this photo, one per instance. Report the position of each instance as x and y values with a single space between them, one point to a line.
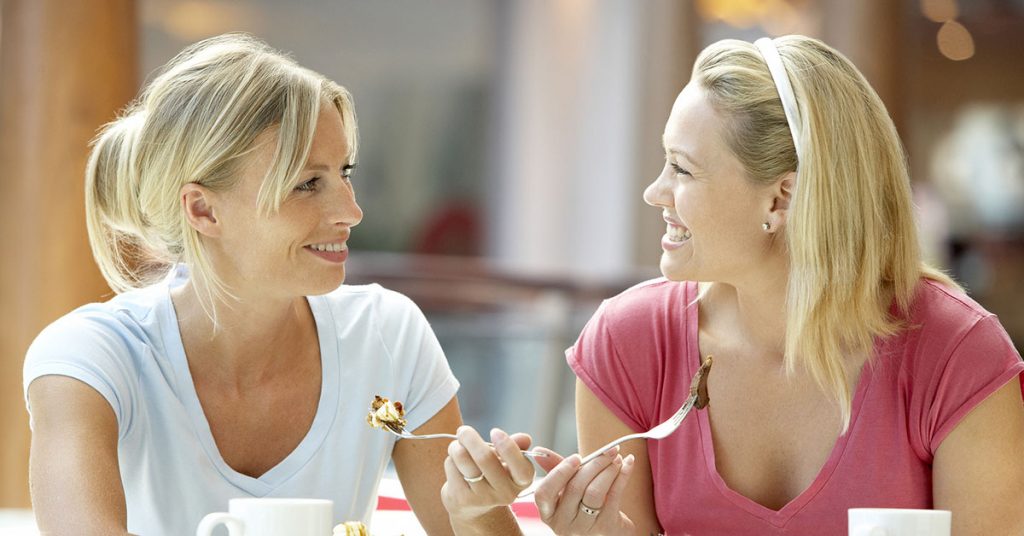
575 500
480 478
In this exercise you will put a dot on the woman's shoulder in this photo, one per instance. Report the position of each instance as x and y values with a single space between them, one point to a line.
372 308
102 344
659 298
947 328
125 317
371 295
944 309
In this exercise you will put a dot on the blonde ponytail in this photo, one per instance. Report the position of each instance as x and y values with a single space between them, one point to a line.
125 250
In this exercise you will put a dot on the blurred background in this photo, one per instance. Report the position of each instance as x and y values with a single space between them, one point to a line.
504 148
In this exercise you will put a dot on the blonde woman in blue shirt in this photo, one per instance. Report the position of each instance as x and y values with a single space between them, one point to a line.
232 362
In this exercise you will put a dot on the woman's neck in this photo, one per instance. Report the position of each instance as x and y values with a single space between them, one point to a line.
751 313
254 338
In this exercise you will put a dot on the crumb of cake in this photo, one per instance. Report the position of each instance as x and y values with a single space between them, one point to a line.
385 413
351 528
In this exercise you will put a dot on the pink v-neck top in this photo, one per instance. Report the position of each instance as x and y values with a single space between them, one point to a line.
639 351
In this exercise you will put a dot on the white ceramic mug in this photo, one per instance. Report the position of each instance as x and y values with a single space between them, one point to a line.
898 522
272 517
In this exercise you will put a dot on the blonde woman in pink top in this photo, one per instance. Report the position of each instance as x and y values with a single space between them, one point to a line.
847 372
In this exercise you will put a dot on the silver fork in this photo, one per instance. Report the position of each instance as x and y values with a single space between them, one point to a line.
698 397
406 435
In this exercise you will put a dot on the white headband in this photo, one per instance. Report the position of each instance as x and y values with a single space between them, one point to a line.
781 78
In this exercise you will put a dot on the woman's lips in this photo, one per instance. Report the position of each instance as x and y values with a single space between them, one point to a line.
676 235
336 257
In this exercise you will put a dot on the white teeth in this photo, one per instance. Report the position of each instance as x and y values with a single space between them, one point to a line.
677 234
335 248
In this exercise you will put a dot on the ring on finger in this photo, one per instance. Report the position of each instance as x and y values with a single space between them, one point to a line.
473 480
588 510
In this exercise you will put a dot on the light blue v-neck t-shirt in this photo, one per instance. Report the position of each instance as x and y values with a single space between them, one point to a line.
372 341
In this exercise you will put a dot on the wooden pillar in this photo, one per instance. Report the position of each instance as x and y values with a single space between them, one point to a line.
869 33
672 40
67 67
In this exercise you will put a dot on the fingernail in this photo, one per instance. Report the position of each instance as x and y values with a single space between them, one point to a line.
617 460
629 460
498 435
612 451
545 510
573 460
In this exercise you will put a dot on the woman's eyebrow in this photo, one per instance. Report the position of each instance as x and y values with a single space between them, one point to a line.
679 152
326 168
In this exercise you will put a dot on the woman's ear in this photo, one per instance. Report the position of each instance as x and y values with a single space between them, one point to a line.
197 201
781 196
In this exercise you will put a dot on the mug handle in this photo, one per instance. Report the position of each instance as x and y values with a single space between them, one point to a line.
210 521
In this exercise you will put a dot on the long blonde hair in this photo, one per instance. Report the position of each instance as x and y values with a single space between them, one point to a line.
850 233
192 124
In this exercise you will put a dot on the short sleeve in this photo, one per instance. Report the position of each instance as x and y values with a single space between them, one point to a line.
598 363
420 363
85 346
983 361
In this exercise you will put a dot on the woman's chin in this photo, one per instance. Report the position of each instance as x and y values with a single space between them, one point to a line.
673 270
326 284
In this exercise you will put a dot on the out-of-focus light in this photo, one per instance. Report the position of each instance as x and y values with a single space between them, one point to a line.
954 41
195 19
939 10
785 19
737 13
777 17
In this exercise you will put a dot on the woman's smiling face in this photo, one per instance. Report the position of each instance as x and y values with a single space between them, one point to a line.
713 211
301 249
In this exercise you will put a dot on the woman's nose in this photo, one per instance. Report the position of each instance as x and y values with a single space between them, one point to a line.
345 209
654 194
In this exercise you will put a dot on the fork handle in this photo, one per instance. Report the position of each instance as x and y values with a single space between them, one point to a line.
429 436
587 459
527 453
593 455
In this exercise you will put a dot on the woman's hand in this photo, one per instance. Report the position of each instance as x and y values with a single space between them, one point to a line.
482 479
584 500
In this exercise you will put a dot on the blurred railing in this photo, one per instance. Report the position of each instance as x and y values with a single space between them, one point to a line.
504 332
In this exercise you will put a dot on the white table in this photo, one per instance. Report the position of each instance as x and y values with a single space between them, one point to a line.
403 523
386 522
393 518
17 522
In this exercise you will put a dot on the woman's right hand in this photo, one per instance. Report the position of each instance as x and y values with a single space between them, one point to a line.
482 479
575 500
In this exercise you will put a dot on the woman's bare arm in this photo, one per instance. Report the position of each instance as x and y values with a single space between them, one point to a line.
420 467
75 480
596 426
978 471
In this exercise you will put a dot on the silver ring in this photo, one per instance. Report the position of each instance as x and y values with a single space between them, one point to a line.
474 479
588 510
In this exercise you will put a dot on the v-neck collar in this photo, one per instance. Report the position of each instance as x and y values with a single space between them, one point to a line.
780 517
322 421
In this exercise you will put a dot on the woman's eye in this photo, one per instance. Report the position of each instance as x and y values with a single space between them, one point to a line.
679 170
348 171
308 186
